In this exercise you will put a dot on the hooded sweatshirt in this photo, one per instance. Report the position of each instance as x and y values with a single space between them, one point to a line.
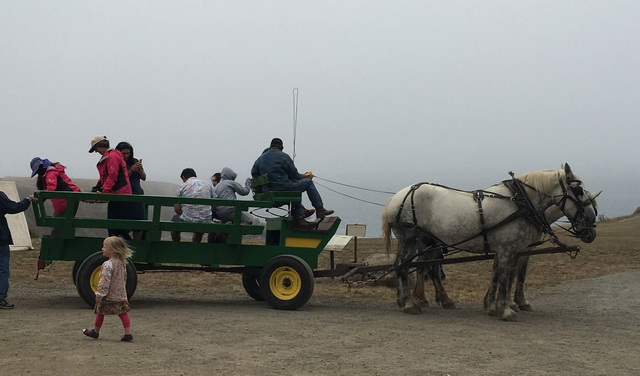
227 189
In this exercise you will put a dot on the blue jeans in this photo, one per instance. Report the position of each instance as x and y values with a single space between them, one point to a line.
305 185
5 254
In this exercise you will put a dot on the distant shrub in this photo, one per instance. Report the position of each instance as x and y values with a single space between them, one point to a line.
637 210
603 218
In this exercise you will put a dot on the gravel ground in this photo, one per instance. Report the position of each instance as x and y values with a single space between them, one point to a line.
586 327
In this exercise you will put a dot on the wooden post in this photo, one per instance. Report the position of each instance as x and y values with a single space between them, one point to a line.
355 249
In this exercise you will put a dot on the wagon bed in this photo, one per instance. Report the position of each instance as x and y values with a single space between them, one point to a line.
278 270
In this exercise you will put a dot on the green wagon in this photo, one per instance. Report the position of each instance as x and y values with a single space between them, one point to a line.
278 270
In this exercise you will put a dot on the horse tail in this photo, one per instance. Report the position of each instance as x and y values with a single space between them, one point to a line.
386 229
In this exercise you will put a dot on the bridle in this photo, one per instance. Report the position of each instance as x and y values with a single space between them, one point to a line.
580 217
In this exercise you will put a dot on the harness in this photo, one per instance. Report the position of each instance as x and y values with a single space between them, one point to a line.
520 197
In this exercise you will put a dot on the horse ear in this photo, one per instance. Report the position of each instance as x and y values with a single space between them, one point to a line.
568 172
592 196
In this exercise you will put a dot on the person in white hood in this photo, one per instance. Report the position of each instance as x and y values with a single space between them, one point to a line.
227 189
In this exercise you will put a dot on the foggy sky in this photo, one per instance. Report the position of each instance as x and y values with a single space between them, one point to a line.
390 92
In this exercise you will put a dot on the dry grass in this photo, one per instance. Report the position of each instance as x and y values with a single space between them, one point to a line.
616 250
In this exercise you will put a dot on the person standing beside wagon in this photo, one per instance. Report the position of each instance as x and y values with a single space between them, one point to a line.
7 206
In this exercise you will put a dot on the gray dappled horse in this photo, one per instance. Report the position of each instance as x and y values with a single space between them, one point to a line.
552 214
501 219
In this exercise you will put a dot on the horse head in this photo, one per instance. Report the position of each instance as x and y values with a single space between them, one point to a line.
578 205
590 235
553 213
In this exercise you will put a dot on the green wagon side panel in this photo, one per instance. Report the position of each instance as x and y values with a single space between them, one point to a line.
279 237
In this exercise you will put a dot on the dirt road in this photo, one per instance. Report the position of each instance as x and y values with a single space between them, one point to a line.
588 327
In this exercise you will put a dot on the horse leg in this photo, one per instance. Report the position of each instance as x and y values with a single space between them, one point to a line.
510 302
519 298
506 266
405 251
490 297
434 272
419 293
441 295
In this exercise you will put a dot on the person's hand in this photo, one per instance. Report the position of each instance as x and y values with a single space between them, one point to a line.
137 166
32 198
308 175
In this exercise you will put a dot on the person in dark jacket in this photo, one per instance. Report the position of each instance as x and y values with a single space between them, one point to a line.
136 174
284 176
8 206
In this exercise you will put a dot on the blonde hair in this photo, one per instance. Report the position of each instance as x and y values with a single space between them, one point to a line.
119 247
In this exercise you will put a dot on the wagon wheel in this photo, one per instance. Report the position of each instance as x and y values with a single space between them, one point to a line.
88 276
251 284
287 282
74 271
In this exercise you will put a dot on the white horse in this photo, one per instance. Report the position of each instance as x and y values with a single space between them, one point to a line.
552 215
501 219
519 302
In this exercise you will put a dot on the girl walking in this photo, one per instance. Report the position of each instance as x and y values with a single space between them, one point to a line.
111 298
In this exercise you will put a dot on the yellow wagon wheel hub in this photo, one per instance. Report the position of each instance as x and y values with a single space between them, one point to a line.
285 283
95 279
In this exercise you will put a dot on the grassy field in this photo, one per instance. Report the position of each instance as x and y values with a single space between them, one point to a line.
616 250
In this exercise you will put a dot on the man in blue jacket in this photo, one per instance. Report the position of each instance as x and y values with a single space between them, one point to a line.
7 206
284 176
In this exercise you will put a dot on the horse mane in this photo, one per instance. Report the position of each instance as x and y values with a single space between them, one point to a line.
543 180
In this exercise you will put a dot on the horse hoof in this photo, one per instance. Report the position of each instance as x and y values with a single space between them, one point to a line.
413 310
449 305
514 307
509 315
423 303
526 307
491 309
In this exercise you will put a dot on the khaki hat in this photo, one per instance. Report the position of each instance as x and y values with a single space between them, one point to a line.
94 142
